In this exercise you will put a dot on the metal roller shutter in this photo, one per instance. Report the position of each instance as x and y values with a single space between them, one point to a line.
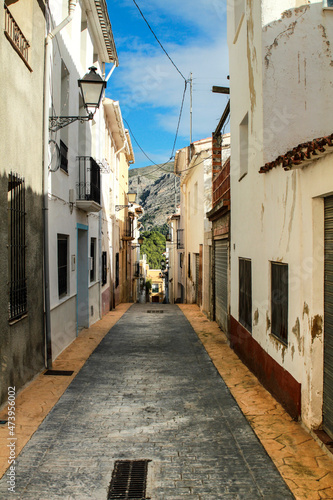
328 319
221 284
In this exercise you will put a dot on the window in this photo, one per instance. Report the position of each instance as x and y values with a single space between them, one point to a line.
117 269
62 265
328 4
155 288
16 247
243 146
92 260
104 268
180 239
279 300
245 293
63 156
189 266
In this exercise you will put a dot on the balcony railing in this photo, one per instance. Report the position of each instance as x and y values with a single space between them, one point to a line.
128 233
180 239
89 186
16 37
221 186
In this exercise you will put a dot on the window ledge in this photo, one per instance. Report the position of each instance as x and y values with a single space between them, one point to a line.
283 342
14 321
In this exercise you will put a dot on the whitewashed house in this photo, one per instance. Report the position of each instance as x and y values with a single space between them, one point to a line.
80 37
281 78
194 165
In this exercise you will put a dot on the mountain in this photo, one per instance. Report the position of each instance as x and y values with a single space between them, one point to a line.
156 186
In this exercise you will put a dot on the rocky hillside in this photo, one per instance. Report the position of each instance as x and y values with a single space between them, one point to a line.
155 186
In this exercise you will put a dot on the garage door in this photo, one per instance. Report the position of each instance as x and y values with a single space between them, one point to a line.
328 319
221 284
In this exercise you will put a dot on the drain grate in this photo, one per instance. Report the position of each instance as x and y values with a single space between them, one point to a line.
129 480
157 311
64 373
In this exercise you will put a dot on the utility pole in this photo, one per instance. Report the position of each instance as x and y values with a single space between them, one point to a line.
191 107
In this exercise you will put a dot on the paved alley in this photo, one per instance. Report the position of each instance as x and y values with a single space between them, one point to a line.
149 391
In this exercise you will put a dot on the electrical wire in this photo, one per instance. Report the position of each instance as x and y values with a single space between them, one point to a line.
180 116
181 74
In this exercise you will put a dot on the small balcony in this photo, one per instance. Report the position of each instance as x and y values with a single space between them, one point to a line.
88 189
128 233
180 239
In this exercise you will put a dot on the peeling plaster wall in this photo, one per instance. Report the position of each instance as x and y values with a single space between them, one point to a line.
298 78
278 216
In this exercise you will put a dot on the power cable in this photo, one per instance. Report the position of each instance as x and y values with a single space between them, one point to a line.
180 115
181 74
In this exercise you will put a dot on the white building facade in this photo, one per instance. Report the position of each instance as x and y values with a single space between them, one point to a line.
281 75
194 165
79 226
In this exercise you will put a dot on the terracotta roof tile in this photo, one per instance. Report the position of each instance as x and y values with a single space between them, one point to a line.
301 154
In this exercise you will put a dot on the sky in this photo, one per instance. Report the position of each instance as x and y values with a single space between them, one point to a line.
148 86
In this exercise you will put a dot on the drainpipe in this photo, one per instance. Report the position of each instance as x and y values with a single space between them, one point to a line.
111 71
122 148
47 67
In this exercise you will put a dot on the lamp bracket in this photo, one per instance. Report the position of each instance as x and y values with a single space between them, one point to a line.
58 122
120 207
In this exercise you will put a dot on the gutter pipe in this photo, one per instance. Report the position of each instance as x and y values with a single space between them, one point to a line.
47 67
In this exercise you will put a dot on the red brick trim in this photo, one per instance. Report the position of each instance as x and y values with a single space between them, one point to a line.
273 376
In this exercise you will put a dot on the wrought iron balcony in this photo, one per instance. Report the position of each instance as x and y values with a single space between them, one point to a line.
128 233
88 189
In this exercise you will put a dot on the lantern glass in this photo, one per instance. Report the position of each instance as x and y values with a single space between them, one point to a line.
92 87
131 197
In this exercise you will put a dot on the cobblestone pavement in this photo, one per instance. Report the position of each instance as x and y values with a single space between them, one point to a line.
149 391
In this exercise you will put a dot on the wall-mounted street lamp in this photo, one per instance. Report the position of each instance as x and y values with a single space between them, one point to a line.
131 199
91 87
140 241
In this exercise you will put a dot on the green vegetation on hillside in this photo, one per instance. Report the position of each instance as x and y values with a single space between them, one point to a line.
154 247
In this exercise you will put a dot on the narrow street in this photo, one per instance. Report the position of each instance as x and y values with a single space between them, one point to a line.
149 391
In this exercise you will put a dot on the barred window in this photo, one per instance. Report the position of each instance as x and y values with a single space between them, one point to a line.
16 247
279 300
104 268
62 265
245 293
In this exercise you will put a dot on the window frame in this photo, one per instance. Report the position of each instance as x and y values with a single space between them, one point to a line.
104 268
279 317
245 294
17 279
326 6
63 291
92 275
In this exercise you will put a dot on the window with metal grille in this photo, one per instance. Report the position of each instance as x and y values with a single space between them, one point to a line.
16 247
63 156
104 268
245 293
279 300
62 265
117 270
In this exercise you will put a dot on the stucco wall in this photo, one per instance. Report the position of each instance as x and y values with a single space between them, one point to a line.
21 96
278 216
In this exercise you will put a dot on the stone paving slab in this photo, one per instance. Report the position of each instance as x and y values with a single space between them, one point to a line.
149 391
306 467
